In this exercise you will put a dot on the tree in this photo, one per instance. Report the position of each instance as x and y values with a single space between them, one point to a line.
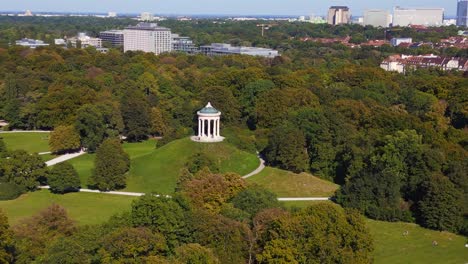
162 215
441 205
317 234
64 139
287 149
200 160
223 99
255 199
34 233
91 127
159 124
110 166
66 251
63 178
3 148
195 254
6 240
23 169
136 115
132 245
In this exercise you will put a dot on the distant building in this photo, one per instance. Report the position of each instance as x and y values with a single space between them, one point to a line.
28 13
183 44
397 41
339 15
462 13
145 16
216 49
60 42
83 41
31 43
418 16
377 18
113 37
317 20
148 37
449 22
403 63
112 14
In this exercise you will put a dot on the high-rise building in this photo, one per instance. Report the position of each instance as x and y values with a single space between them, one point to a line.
462 13
377 18
114 37
339 15
148 37
404 17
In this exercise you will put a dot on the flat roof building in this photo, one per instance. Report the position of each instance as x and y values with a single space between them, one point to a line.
113 37
216 49
377 18
462 13
148 37
339 15
183 44
404 17
31 43
83 41
397 41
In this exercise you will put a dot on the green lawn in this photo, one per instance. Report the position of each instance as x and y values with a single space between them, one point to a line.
392 247
85 208
288 184
157 169
301 204
31 142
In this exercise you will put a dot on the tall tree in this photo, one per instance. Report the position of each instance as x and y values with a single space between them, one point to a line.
64 139
136 115
6 240
91 127
24 169
110 166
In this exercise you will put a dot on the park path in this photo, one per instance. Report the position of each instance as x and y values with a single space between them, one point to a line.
24 131
258 170
64 158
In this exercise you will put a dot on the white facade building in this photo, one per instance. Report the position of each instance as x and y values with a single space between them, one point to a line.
147 37
377 18
397 41
209 121
216 49
404 17
31 43
145 16
82 40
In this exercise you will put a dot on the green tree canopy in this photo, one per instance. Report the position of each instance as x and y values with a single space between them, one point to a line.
64 139
63 178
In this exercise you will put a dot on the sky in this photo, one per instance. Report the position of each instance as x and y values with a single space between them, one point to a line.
233 7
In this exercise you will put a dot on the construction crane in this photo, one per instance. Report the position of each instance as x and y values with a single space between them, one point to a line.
264 27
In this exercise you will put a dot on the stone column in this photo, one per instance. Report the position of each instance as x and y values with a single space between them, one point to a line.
199 127
209 128
219 121
203 127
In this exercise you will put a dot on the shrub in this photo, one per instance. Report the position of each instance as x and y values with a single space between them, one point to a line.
64 178
10 191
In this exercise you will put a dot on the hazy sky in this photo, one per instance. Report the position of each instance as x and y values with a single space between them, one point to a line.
245 7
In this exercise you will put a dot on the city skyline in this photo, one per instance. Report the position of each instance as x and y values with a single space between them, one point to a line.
212 7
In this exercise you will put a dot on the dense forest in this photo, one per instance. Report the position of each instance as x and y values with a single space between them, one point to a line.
396 144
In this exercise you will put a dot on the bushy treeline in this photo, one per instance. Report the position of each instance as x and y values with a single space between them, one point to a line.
213 218
392 141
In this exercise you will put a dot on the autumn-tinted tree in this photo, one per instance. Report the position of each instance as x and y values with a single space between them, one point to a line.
159 124
63 178
195 253
64 139
136 115
6 240
111 164
287 149
66 251
91 127
24 169
441 205
34 233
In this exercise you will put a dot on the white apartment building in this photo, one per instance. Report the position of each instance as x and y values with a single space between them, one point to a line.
147 37
377 18
82 40
404 17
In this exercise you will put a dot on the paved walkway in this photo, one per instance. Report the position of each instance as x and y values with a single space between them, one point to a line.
24 131
304 199
64 158
258 170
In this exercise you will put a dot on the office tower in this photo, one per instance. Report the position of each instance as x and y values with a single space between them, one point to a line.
462 13
404 17
114 37
339 15
145 16
377 18
148 37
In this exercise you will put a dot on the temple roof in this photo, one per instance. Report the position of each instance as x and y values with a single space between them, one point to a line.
209 109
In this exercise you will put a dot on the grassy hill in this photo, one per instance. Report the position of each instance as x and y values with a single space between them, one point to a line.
85 208
392 247
31 142
157 169
288 184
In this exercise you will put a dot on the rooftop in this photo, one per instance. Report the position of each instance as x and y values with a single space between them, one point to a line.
209 109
